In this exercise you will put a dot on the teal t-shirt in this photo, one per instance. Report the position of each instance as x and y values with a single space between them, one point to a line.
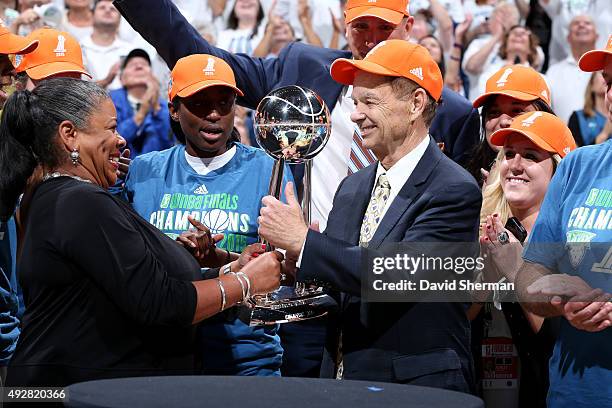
164 189
573 235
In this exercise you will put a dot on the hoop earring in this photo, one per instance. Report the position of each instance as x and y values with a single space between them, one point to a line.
74 157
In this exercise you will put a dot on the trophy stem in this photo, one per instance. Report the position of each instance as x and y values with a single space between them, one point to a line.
276 181
276 184
307 191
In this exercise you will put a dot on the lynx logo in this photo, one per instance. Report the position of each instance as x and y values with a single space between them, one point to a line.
201 190
210 67
566 150
501 82
577 244
605 266
417 72
544 94
531 119
216 220
371 1
60 49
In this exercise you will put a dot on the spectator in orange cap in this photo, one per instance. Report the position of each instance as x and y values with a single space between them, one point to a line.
532 147
11 44
511 91
412 193
206 166
58 55
568 262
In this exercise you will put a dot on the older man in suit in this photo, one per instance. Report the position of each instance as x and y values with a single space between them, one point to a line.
413 193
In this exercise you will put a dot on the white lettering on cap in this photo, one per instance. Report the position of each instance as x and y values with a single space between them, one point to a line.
210 67
501 82
60 49
531 119
417 72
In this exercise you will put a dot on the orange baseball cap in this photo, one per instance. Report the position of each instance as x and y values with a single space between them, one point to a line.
595 60
195 72
518 82
544 129
15 44
389 10
394 58
58 52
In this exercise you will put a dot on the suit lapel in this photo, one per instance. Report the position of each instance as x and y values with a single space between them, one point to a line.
412 189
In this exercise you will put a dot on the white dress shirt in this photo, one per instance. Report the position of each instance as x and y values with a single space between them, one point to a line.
330 166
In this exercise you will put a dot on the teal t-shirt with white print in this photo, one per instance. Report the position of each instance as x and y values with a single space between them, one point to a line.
164 189
573 235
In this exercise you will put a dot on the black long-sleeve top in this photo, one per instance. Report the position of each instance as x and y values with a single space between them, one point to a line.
107 294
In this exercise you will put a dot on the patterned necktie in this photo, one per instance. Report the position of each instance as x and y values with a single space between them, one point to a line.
360 156
371 219
373 214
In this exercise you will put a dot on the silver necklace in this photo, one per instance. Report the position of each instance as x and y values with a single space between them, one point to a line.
58 174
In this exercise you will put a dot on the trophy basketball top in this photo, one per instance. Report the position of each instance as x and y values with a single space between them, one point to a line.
292 123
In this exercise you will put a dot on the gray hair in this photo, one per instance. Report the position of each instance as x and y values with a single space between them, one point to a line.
29 126
404 87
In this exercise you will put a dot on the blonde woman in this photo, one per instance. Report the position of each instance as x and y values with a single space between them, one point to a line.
531 149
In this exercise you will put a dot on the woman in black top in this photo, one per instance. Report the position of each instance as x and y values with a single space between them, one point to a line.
107 295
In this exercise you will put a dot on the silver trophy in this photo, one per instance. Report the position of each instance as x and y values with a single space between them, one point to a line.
292 125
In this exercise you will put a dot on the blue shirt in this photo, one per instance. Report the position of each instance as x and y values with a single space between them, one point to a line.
152 134
11 309
164 189
572 235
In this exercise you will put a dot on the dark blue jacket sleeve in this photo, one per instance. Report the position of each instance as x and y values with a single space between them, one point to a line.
457 125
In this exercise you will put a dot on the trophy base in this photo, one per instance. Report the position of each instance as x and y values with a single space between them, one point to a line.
288 305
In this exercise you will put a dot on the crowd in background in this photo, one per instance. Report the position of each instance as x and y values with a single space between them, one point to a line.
469 39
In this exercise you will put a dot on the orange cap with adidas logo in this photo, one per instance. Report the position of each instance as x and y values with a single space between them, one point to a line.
57 53
518 82
544 129
195 72
394 58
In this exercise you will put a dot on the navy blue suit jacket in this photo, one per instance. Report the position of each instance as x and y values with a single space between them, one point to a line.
418 343
456 123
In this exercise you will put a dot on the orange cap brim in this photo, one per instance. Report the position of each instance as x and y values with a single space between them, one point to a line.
593 60
521 96
391 16
53 68
197 87
14 44
498 138
344 70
